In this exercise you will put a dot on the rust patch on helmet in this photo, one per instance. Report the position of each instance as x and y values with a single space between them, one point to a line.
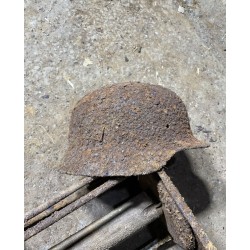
127 129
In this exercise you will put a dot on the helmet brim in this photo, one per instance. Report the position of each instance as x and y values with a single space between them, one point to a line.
123 160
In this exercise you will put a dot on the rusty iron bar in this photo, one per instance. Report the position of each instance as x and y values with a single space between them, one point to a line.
71 240
203 241
62 203
57 198
177 224
56 216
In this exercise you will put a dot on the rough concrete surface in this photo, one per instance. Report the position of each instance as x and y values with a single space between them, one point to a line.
73 47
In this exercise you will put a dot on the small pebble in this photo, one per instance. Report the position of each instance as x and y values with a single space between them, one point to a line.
87 62
181 9
45 96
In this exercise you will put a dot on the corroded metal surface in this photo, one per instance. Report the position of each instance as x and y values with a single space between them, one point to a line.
56 216
177 225
127 129
202 239
56 207
47 205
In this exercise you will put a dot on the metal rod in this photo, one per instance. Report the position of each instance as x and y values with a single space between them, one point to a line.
156 244
177 224
71 240
201 236
56 216
62 203
121 227
57 198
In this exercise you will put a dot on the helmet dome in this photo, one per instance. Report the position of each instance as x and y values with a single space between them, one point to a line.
127 129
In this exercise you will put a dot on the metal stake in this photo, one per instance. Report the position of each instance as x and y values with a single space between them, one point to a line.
203 241
56 216
57 198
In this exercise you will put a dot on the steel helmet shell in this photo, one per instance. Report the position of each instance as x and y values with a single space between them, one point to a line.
127 129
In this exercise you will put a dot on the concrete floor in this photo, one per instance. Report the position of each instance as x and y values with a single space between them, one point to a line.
72 47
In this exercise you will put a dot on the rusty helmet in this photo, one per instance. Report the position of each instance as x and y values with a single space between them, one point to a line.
127 129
